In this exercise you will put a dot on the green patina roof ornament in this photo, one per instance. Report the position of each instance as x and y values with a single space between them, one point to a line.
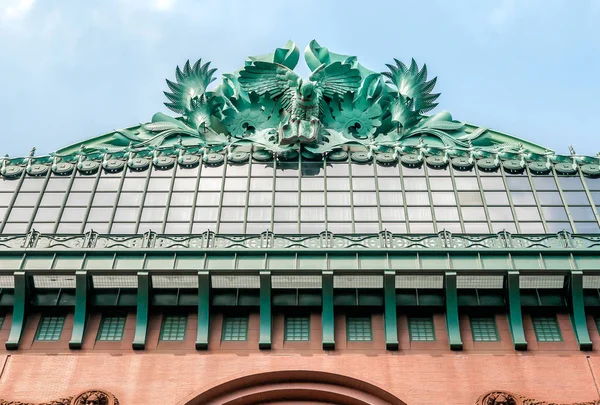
266 106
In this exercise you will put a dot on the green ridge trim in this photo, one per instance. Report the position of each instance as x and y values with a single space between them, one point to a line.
515 317
264 342
578 310
452 321
203 310
143 304
327 316
19 315
81 309
391 323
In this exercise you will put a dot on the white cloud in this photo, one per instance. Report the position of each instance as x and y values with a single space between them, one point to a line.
164 5
15 9
503 13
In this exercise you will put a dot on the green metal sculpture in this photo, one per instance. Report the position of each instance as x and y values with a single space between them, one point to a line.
266 109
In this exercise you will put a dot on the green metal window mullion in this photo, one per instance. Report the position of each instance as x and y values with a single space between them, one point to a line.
510 201
39 201
588 194
247 201
12 201
377 200
391 325
515 316
217 228
264 342
116 203
20 307
169 197
429 197
482 194
139 216
403 191
328 316
64 201
144 290
195 199
351 194
455 191
203 332
82 286
452 320
300 193
537 199
274 184
91 200
565 205
325 194
578 310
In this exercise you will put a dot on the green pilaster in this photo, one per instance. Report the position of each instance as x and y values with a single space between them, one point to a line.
143 304
515 318
391 326
452 321
328 316
81 309
578 310
203 310
264 342
19 315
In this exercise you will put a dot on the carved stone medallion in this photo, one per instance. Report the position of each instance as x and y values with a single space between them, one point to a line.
90 397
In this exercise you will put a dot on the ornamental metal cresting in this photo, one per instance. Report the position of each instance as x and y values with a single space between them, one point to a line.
267 111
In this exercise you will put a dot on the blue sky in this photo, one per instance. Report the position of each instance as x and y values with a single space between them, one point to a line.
70 70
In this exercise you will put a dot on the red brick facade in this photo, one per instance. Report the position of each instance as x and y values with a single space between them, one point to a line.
419 373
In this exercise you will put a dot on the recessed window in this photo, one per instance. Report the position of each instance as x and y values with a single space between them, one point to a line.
421 329
173 328
297 328
546 329
111 328
235 329
484 329
359 329
50 328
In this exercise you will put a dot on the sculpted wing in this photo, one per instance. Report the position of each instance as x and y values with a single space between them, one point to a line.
273 79
336 79
191 83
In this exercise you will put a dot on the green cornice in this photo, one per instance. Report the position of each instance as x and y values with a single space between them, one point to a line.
265 110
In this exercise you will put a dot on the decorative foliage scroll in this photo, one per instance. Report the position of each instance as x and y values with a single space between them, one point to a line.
91 397
507 398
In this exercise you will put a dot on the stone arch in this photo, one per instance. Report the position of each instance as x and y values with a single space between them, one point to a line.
294 387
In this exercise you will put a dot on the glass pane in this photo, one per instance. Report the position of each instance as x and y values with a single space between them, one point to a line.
421 329
257 198
156 198
177 214
111 328
235 328
389 183
237 170
208 199
363 170
421 227
500 213
310 198
234 198
126 214
282 198
338 184
366 214
130 199
476 227
312 183
522 198
554 227
235 183
570 183
261 184
362 198
446 213
440 198
582 213
312 214
496 198
413 198
182 199
138 184
544 183
78 199
387 198
441 183
173 328
546 329
259 214
261 169
466 183
527 214
576 198
232 214
286 214
359 329
554 214
473 214
492 183
184 184
531 227
50 328
52 199
518 183
415 183
392 214
504 226
338 214
209 184
419 214
153 214
287 183
339 169
587 227
471 198
297 328
549 198
484 329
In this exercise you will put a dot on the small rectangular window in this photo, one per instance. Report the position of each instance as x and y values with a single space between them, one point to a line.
484 329
359 329
111 328
173 328
1 321
546 329
235 329
421 329
50 328
297 328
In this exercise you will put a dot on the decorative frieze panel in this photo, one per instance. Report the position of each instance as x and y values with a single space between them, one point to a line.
324 240
507 398
91 397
